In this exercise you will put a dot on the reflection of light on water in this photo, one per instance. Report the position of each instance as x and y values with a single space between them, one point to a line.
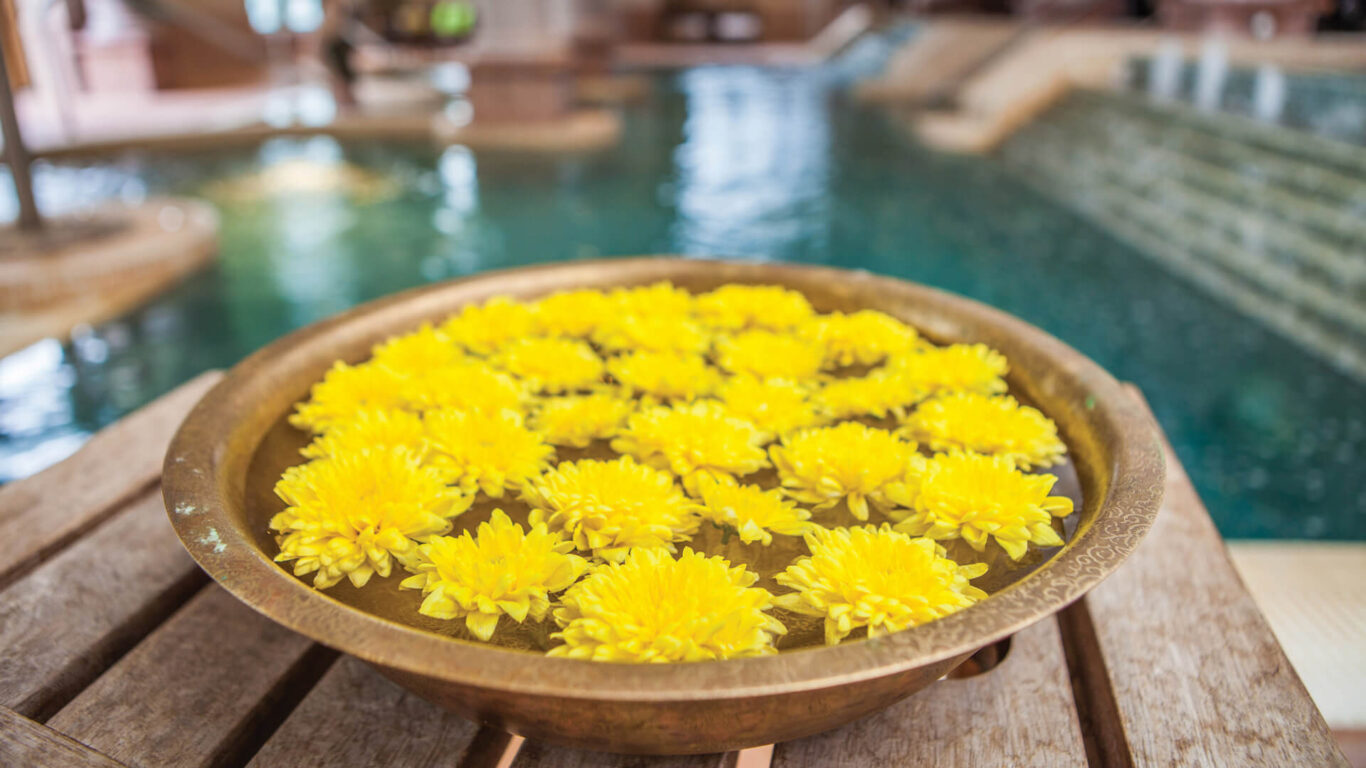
311 168
458 174
33 403
752 172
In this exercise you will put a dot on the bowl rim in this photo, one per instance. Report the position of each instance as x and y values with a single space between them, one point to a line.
197 495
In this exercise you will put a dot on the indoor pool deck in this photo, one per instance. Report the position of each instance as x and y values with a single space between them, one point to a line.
1309 591
1311 595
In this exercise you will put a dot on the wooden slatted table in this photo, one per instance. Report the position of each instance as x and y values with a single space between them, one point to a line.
115 649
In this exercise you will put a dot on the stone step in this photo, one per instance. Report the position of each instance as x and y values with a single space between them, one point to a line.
1346 190
1256 219
1338 156
1263 289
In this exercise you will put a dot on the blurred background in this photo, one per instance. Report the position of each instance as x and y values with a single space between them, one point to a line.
1175 187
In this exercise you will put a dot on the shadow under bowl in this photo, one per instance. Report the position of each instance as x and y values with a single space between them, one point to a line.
218 497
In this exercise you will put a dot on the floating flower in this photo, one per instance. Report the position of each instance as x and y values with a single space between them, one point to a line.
352 515
552 365
651 333
572 313
972 496
486 451
370 429
420 350
955 368
737 307
876 578
848 461
579 420
665 375
754 513
769 355
661 299
486 328
694 440
345 390
608 507
471 387
653 608
878 394
988 425
499 571
775 406
865 337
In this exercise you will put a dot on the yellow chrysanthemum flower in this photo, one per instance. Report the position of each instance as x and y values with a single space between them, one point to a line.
579 420
848 461
572 313
878 394
876 578
972 496
499 571
485 328
737 307
552 365
989 425
420 350
865 337
651 333
345 390
660 299
608 507
370 430
665 375
775 406
955 368
653 608
352 515
473 387
694 440
754 513
486 451
769 355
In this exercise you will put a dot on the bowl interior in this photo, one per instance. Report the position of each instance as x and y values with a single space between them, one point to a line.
231 450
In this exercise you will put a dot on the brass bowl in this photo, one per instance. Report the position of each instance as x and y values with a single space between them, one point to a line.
672 708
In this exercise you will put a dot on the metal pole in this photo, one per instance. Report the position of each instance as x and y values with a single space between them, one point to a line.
15 154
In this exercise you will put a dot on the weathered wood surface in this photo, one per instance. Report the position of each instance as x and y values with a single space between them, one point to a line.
355 717
1195 672
534 755
43 513
194 692
108 634
1020 713
26 743
76 614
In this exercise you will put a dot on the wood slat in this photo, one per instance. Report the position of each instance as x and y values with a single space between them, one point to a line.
355 717
1197 676
536 755
43 513
33 745
205 689
1019 713
72 617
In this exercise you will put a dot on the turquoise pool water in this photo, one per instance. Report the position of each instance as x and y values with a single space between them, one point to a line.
747 163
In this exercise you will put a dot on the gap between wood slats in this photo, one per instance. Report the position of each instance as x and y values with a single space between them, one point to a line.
78 613
21 566
1102 730
33 745
44 514
277 705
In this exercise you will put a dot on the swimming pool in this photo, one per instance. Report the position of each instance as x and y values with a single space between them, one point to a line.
740 162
